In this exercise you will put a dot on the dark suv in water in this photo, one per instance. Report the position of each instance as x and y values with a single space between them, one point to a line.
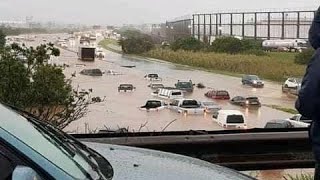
30 149
252 80
186 86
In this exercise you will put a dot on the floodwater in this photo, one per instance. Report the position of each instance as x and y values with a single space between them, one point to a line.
121 110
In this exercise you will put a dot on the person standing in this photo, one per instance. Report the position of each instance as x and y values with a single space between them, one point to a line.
308 103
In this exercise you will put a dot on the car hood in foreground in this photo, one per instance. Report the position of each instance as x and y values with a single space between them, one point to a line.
136 164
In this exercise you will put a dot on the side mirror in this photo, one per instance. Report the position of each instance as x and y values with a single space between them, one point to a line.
24 173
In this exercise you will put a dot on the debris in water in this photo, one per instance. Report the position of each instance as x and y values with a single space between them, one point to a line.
201 86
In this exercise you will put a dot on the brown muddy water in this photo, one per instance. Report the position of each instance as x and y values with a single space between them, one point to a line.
121 110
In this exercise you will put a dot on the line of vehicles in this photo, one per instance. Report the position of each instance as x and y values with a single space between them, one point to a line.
173 98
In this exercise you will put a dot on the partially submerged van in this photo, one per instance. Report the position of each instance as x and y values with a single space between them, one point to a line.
230 119
169 93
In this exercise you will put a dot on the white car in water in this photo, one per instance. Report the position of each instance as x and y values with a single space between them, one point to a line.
292 83
210 106
230 119
187 106
152 77
113 73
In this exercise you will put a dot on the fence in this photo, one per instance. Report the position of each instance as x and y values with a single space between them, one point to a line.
257 25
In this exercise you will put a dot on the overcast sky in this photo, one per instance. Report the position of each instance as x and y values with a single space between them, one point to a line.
132 11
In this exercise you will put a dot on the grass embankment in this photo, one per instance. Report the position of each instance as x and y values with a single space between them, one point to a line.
111 45
274 66
287 110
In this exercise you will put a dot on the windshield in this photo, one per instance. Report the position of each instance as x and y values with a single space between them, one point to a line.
235 119
254 78
153 104
176 93
189 103
184 85
90 66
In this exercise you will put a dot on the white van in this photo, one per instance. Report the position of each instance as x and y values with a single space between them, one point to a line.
230 119
169 93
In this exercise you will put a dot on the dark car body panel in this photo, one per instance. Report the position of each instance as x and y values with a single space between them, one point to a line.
249 80
126 87
218 94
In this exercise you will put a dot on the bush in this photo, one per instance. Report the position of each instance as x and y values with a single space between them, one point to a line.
257 52
274 66
187 44
136 43
228 45
304 57
251 44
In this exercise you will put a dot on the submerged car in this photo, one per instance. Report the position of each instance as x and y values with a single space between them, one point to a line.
126 87
252 80
218 94
300 118
153 77
285 123
153 105
31 149
278 123
155 86
186 86
242 101
230 119
187 106
292 85
113 73
210 107
91 72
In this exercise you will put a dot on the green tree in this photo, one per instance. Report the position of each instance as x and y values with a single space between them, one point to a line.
304 57
251 44
28 82
2 39
188 44
135 42
228 45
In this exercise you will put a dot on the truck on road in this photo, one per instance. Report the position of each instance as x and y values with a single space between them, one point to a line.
187 106
296 45
86 53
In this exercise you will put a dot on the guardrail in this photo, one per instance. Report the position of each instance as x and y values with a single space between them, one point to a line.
256 149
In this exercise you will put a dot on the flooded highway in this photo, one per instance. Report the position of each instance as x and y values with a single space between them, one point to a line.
121 110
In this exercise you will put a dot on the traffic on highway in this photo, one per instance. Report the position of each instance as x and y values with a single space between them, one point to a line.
107 75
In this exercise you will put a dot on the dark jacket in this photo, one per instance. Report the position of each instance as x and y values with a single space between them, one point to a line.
308 103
